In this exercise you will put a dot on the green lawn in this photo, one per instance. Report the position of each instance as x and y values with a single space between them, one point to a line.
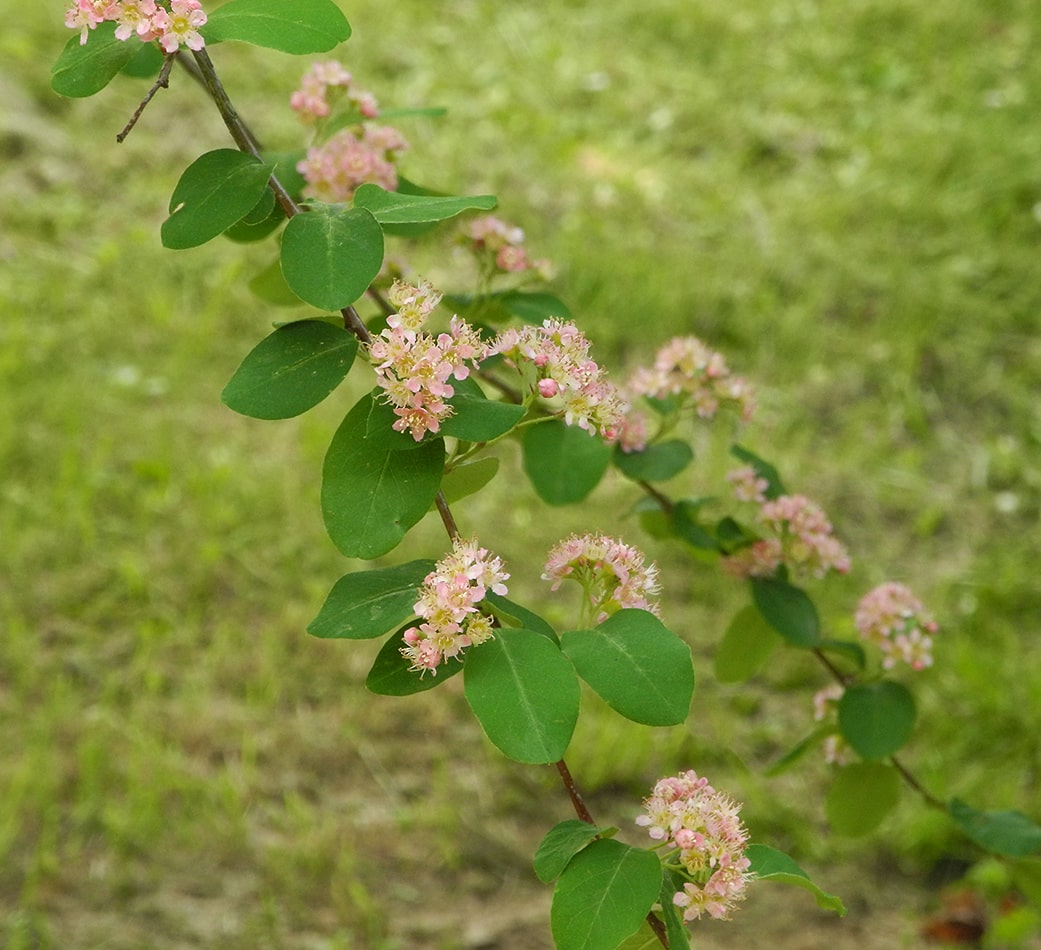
845 199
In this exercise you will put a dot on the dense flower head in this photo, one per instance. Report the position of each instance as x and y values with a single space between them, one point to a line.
686 367
502 246
748 484
322 85
554 360
892 618
448 606
612 574
799 536
414 368
173 24
687 813
335 169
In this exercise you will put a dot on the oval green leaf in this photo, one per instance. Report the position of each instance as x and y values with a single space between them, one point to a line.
656 463
299 27
390 674
603 895
82 70
524 693
390 207
639 667
788 610
367 604
876 719
476 417
331 254
464 480
564 463
861 796
769 864
270 286
746 646
512 614
561 843
1007 832
291 370
371 496
216 190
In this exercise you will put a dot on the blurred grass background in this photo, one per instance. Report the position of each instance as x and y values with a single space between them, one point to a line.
845 199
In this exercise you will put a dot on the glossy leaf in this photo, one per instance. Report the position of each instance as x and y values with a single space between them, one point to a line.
300 27
561 843
861 796
372 496
746 646
678 935
331 254
603 895
1006 832
788 610
469 478
775 487
639 667
656 463
769 864
564 463
291 370
265 218
476 417
367 604
524 693
391 207
876 719
83 70
146 62
512 614
853 652
390 674
216 190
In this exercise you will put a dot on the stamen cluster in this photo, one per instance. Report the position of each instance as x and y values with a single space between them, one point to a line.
687 813
612 574
413 368
173 24
799 536
312 100
448 606
335 169
554 360
891 617
502 245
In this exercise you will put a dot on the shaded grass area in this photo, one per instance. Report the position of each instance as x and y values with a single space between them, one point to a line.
842 199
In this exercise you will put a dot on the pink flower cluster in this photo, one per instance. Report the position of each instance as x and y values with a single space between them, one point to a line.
502 244
686 367
448 606
174 25
334 170
689 814
312 100
836 750
891 617
799 537
612 574
554 361
413 368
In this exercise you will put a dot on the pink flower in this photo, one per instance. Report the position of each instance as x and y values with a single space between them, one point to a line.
612 574
499 245
180 26
448 605
334 171
135 17
687 813
748 485
892 618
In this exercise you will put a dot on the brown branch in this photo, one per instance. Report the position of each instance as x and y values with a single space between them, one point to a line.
162 82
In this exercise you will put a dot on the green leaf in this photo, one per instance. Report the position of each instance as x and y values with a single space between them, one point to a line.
478 418
371 496
861 796
787 609
300 27
746 646
390 207
656 463
534 306
270 286
775 488
216 190
390 674
684 524
82 70
678 935
769 864
800 749
876 719
291 370
1008 832
1026 875
564 463
331 254
467 479
367 604
145 63
603 895
514 615
524 693
639 667
263 220
853 652
561 843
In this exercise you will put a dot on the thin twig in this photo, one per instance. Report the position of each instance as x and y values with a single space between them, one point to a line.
162 82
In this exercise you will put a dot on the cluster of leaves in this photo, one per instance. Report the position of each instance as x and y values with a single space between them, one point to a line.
524 684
